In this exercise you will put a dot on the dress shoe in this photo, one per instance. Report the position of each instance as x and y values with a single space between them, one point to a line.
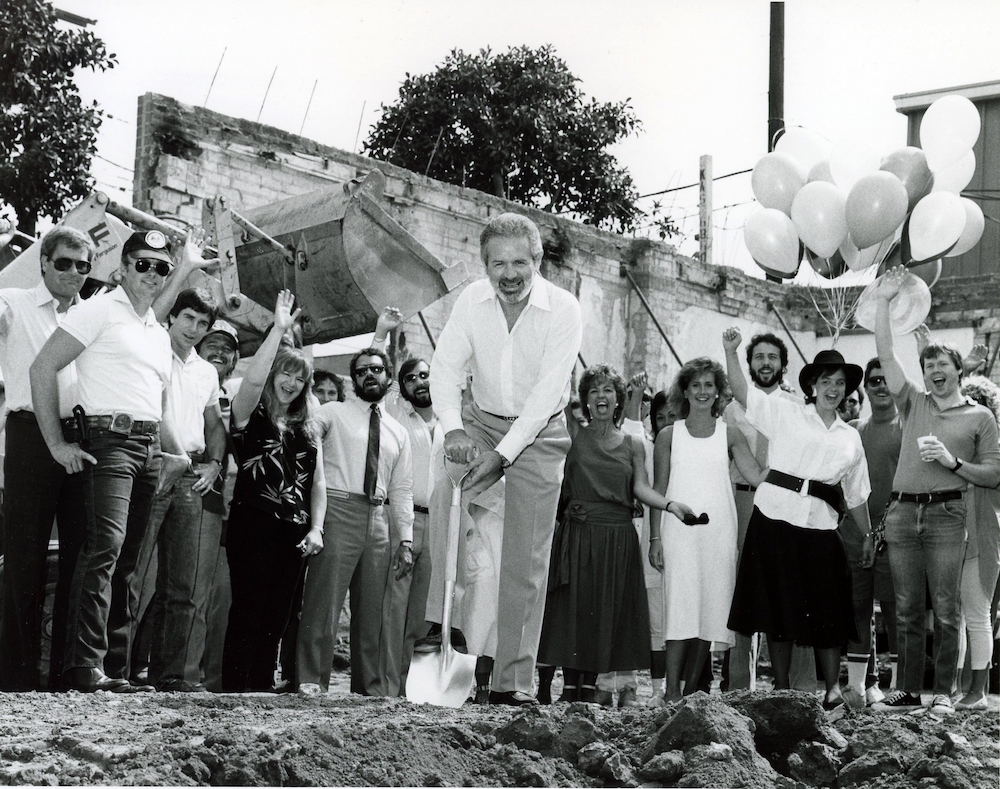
178 685
569 695
90 679
511 698
604 697
627 698
431 643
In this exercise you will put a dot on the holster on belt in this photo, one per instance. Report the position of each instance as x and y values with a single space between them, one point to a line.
81 423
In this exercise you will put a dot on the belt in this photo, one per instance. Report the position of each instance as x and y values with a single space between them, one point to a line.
343 495
69 427
198 457
514 418
744 486
422 510
120 422
927 498
807 487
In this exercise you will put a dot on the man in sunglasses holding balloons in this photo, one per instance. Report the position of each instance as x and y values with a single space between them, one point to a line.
37 488
125 448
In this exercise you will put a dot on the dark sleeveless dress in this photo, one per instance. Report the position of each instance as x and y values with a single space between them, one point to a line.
596 614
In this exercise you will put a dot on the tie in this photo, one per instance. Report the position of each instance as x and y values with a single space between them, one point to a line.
371 461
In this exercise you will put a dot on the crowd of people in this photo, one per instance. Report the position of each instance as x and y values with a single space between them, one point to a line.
210 534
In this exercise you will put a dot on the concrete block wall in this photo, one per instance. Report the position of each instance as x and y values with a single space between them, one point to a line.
186 154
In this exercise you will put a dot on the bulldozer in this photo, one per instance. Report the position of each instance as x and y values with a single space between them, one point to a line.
337 249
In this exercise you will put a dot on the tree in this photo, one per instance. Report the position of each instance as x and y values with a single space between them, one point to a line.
515 125
47 133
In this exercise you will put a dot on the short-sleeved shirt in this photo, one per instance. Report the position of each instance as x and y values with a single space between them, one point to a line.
28 316
194 386
882 441
125 363
276 468
968 430
802 445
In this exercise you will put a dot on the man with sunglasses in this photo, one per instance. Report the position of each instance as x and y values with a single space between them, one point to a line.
368 466
37 488
123 365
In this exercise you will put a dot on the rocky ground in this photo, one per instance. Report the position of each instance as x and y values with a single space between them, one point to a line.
737 739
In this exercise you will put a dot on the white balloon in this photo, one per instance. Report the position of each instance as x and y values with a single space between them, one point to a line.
852 160
805 146
936 224
955 177
820 172
949 128
975 223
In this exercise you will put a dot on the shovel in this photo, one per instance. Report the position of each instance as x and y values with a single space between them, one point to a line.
444 678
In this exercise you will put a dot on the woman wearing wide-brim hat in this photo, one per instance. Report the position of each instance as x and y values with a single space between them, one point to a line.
793 581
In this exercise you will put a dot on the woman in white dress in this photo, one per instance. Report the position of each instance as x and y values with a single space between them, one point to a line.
698 560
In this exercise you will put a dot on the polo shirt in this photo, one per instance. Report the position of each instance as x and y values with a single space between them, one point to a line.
882 442
194 386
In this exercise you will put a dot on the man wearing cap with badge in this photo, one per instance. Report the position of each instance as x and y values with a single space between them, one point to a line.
123 363
949 442
37 488
175 531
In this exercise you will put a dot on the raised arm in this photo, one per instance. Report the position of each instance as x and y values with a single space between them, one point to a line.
193 261
887 289
260 366
739 450
731 339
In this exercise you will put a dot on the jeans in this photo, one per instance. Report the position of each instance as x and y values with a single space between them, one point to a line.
37 490
926 548
118 493
177 535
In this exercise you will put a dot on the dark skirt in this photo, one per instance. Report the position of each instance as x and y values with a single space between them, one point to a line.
596 614
794 585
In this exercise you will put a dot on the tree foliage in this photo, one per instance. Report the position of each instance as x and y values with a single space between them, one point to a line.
47 133
515 125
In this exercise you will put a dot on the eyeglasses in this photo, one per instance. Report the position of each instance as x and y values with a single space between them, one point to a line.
363 370
423 375
65 264
876 380
161 267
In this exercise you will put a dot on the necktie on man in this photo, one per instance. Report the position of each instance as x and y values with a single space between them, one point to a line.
371 461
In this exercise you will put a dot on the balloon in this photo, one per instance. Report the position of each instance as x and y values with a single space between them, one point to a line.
909 165
955 177
775 181
876 206
820 172
859 259
770 237
852 160
804 146
830 267
975 223
948 130
928 272
936 224
818 215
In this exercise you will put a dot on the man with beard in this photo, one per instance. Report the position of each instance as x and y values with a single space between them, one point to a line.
767 359
949 442
367 458
520 336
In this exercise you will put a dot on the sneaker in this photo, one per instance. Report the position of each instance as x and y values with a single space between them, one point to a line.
656 700
874 695
309 689
941 704
627 698
899 701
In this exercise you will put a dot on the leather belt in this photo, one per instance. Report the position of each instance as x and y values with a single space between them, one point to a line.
927 498
514 418
807 487
198 457
421 509
120 422
71 431
744 486
343 495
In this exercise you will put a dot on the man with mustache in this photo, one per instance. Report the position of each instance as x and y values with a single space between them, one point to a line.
520 336
767 359
367 459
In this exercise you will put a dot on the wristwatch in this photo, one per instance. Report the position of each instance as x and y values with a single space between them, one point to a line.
958 464
504 463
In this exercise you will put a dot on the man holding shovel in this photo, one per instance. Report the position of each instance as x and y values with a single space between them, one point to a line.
520 336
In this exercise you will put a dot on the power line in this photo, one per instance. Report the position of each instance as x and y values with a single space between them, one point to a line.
689 186
115 164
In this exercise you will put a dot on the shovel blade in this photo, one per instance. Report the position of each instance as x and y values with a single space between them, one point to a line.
442 678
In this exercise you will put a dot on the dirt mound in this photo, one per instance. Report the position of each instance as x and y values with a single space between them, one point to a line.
735 739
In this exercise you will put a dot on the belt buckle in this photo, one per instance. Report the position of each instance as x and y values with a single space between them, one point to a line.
923 498
121 422
804 490
376 501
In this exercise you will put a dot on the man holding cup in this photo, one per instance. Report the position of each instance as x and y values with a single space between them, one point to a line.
949 442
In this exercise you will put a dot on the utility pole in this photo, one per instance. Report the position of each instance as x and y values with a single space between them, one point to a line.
776 83
705 209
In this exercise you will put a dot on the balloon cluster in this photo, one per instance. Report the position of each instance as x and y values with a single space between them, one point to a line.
846 208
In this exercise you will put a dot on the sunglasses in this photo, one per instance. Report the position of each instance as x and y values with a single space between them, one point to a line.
374 369
65 264
423 375
876 380
161 267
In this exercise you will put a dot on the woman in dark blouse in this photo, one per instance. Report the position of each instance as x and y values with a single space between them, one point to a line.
279 503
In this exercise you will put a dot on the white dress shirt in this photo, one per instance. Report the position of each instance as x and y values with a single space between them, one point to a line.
28 316
194 386
524 372
125 364
344 430
736 417
426 444
802 445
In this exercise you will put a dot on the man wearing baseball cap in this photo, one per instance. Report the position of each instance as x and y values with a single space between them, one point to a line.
123 362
